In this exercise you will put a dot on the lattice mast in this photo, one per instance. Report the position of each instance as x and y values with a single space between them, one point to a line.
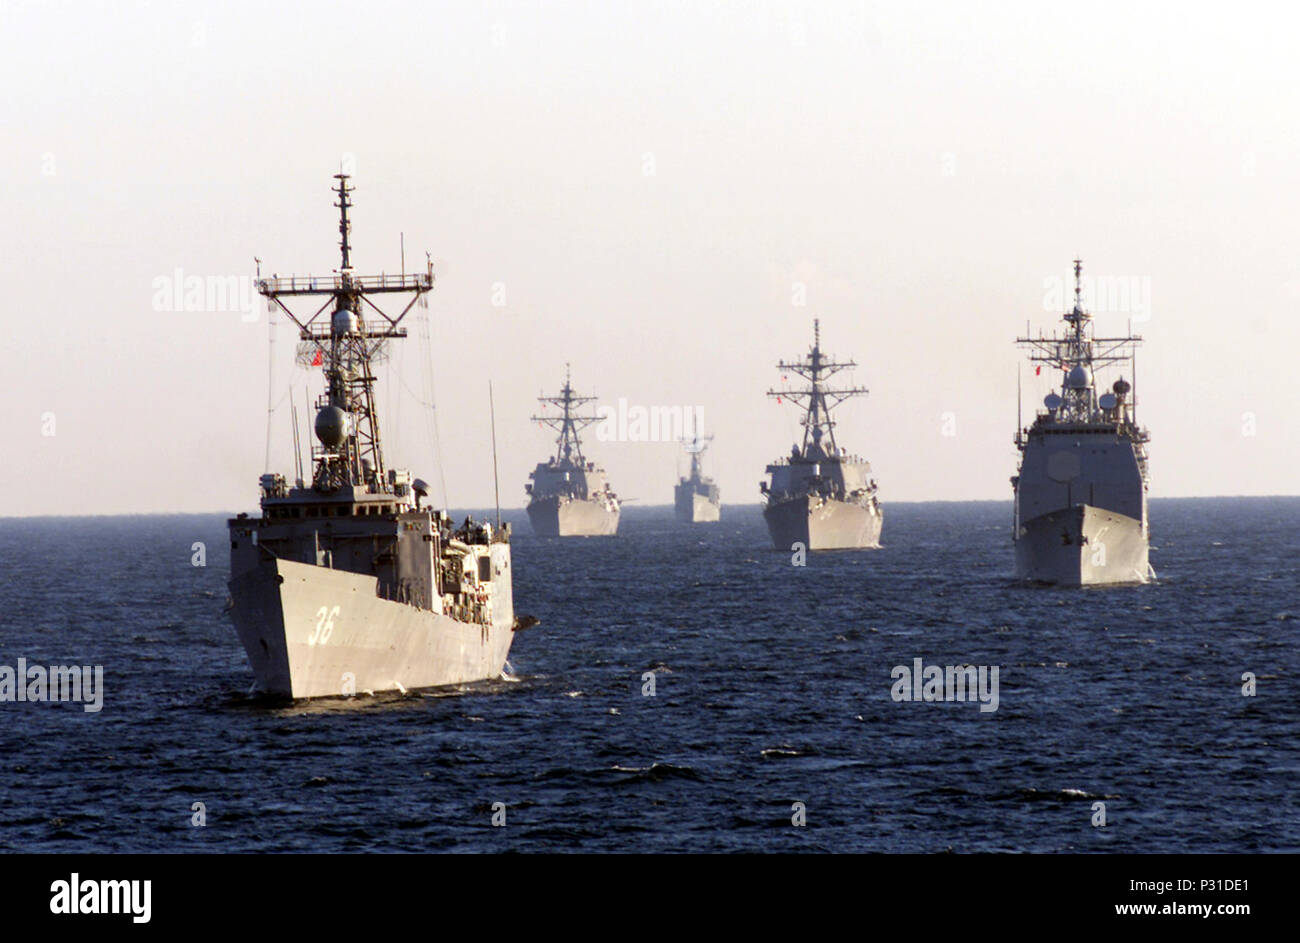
567 444
817 400
696 445
1078 354
345 344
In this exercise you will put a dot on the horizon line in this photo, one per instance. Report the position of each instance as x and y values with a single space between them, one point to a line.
522 508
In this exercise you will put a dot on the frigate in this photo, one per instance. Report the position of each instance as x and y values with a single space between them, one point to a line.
569 496
696 497
347 584
1081 489
821 497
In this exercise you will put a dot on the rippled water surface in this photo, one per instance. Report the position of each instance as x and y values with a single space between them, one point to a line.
772 686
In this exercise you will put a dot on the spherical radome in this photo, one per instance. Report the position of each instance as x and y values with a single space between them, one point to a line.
331 426
1079 378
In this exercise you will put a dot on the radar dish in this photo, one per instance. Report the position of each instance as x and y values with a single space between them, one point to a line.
1052 401
1107 401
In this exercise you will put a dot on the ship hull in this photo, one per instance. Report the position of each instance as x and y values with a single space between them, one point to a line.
694 508
1082 546
823 524
553 517
311 631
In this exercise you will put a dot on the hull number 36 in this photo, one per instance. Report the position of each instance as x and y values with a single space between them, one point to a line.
325 617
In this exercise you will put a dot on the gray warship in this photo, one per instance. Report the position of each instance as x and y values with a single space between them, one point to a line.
569 496
347 584
821 496
1081 489
696 498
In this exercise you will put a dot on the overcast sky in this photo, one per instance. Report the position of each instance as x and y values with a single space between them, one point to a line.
664 195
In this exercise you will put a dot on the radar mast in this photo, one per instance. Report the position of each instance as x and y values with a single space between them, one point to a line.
568 444
1077 353
817 400
345 336
696 445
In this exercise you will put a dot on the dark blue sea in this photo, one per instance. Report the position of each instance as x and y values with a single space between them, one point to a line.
771 687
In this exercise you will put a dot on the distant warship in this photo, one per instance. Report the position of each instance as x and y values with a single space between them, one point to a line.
568 495
821 497
347 585
696 497
1081 491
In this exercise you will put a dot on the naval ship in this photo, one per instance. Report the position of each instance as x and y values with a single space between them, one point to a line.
1081 490
821 496
347 584
569 496
696 498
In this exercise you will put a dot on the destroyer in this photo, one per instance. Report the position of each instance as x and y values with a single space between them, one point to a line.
821 497
697 498
1081 491
347 584
568 495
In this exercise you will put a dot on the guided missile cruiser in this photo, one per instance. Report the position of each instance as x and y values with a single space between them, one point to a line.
696 498
821 497
569 496
1081 490
346 584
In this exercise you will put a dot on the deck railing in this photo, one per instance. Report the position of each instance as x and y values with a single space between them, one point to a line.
318 284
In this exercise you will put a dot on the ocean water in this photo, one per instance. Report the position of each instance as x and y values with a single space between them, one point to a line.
772 686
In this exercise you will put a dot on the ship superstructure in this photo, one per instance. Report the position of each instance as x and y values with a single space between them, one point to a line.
346 584
569 496
696 497
821 497
1081 489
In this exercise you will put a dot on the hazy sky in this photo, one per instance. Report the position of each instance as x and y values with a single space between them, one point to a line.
646 187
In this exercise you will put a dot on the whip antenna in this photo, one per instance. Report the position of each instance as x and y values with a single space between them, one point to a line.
496 480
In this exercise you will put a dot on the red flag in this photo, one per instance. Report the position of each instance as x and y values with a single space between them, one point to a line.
316 361
1038 369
